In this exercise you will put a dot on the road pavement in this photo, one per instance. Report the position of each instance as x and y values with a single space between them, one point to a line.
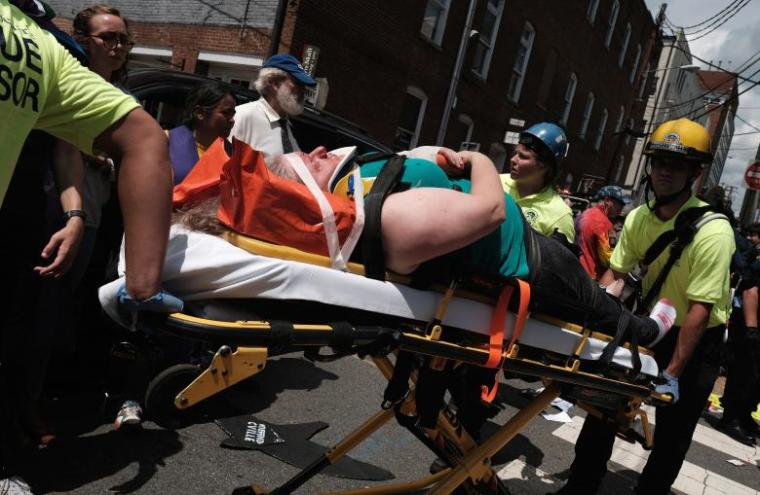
91 458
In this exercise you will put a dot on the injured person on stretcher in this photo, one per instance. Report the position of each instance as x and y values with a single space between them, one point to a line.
433 210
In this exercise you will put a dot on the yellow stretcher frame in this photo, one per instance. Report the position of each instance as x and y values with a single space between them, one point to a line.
230 366
470 464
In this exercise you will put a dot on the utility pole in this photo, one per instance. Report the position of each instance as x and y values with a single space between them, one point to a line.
466 35
279 20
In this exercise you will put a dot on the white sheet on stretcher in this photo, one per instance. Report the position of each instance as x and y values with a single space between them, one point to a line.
200 266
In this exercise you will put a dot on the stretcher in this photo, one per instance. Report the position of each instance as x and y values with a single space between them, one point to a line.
250 300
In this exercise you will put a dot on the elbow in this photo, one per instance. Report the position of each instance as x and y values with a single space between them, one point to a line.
497 214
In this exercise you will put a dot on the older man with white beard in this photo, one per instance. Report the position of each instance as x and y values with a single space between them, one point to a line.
264 124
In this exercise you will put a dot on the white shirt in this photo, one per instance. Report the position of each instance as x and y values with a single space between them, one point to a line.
258 125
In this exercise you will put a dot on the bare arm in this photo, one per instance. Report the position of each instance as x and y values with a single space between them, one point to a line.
145 193
421 224
749 306
691 332
69 177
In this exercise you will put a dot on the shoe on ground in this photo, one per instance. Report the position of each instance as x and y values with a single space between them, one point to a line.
15 486
129 417
734 429
438 465
751 426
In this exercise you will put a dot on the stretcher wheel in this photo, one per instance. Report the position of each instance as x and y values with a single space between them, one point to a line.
159 398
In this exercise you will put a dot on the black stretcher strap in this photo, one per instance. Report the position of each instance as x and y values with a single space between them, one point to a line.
372 241
398 385
281 334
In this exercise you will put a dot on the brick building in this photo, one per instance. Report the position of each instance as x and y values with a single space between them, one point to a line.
390 65
720 102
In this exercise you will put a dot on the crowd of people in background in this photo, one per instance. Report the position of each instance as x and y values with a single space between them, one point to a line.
71 203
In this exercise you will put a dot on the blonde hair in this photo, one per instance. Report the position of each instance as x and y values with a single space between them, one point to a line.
201 217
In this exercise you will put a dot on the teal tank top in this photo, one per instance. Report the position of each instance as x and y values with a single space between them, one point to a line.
500 252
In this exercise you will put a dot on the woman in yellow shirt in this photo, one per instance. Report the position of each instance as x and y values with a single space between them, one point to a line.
531 177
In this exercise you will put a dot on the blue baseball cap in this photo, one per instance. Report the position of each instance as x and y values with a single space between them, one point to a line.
292 66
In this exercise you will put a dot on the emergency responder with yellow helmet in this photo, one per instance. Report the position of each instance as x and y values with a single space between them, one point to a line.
698 287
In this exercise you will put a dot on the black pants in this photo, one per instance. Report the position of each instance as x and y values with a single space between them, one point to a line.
740 397
674 424
562 288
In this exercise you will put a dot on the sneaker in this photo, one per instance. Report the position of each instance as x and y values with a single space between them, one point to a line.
129 416
15 486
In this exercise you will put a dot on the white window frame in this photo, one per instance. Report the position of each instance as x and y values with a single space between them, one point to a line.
621 118
635 65
593 7
468 122
611 23
587 111
518 70
420 95
624 48
439 27
600 130
490 44
572 85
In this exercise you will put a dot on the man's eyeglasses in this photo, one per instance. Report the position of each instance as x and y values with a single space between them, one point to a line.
110 40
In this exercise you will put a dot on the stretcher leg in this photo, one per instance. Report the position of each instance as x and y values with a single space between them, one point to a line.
478 458
226 369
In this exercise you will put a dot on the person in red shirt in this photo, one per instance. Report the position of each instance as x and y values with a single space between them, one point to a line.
593 230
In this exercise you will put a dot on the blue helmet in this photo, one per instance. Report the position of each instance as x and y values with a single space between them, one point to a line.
614 192
547 140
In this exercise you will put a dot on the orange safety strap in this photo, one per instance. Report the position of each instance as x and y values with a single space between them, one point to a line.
498 317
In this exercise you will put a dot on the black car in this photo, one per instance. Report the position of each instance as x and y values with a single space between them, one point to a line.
163 92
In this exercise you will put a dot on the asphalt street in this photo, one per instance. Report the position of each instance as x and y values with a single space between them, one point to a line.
91 458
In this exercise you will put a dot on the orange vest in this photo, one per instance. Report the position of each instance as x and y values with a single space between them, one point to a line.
259 204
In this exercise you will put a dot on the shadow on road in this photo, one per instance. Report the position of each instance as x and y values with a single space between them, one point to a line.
75 462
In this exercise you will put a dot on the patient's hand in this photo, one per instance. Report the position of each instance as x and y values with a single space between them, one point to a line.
65 245
450 162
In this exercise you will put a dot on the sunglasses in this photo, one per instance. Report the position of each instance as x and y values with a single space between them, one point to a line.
110 40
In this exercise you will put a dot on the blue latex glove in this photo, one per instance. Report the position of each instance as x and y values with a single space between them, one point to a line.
667 384
161 302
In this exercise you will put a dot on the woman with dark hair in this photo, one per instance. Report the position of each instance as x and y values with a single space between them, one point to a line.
209 115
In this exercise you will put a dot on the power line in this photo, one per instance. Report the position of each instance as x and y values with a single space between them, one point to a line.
727 7
727 14
748 123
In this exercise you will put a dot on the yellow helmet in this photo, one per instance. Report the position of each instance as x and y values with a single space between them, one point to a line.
682 138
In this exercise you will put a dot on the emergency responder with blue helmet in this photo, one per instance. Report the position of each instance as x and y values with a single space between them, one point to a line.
532 171
612 192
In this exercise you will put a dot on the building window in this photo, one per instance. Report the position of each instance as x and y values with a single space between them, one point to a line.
601 129
619 123
466 126
412 114
587 115
619 171
628 134
572 84
611 23
434 20
635 66
489 28
624 48
546 78
593 6
521 62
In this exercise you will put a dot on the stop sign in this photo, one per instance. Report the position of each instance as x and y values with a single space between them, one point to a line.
752 176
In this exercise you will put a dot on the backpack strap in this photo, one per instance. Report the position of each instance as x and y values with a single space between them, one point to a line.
372 239
687 224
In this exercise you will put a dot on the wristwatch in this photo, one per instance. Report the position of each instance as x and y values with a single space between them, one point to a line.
74 213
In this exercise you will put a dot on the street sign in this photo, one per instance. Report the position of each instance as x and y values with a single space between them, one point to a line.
310 57
517 122
752 176
512 137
